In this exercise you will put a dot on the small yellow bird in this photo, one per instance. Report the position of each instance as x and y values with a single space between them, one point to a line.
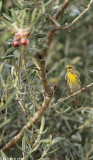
73 80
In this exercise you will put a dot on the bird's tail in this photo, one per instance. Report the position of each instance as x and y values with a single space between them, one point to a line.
77 100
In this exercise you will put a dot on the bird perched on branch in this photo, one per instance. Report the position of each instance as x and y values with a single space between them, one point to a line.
73 80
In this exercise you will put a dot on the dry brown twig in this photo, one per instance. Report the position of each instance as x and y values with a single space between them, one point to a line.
76 19
46 86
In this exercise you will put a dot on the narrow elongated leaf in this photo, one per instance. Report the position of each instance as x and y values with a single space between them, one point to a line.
0 4
6 22
43 6
7 57
66 110
45 158
18 3
15 17
40 35
8 17
26 137
8 121
46 149
48 3
2 26
23 18
42 124
90 158
35 61
29 17
36 147
9 101
45 141
7 36
10 50
32 124
23 145
1 67
38 16
33 16
56 140
5 123
1 103
3 155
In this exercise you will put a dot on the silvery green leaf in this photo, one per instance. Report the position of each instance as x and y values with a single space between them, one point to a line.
56 140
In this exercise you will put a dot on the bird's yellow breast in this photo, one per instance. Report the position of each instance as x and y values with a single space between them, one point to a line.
72 78
73 82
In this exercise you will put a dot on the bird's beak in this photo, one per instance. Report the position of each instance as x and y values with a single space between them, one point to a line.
65 68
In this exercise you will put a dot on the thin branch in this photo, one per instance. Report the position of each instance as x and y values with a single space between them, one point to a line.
74 111
19 88
27 77
33 120
48 90
75 20
84 21
62 100
62 8
51 33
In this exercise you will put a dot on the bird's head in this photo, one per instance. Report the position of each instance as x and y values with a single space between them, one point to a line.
70 68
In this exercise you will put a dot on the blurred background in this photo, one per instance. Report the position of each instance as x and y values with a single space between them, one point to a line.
73 46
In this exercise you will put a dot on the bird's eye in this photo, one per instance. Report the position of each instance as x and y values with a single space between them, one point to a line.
69 67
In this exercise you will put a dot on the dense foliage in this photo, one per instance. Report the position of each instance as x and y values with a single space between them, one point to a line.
65 131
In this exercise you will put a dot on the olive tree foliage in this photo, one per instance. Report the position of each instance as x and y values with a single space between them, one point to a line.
38 118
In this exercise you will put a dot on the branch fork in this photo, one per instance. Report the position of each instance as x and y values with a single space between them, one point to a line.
49 91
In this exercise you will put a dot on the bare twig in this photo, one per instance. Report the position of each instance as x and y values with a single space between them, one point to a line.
62 100
75 20
19 88
62 8
84 21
